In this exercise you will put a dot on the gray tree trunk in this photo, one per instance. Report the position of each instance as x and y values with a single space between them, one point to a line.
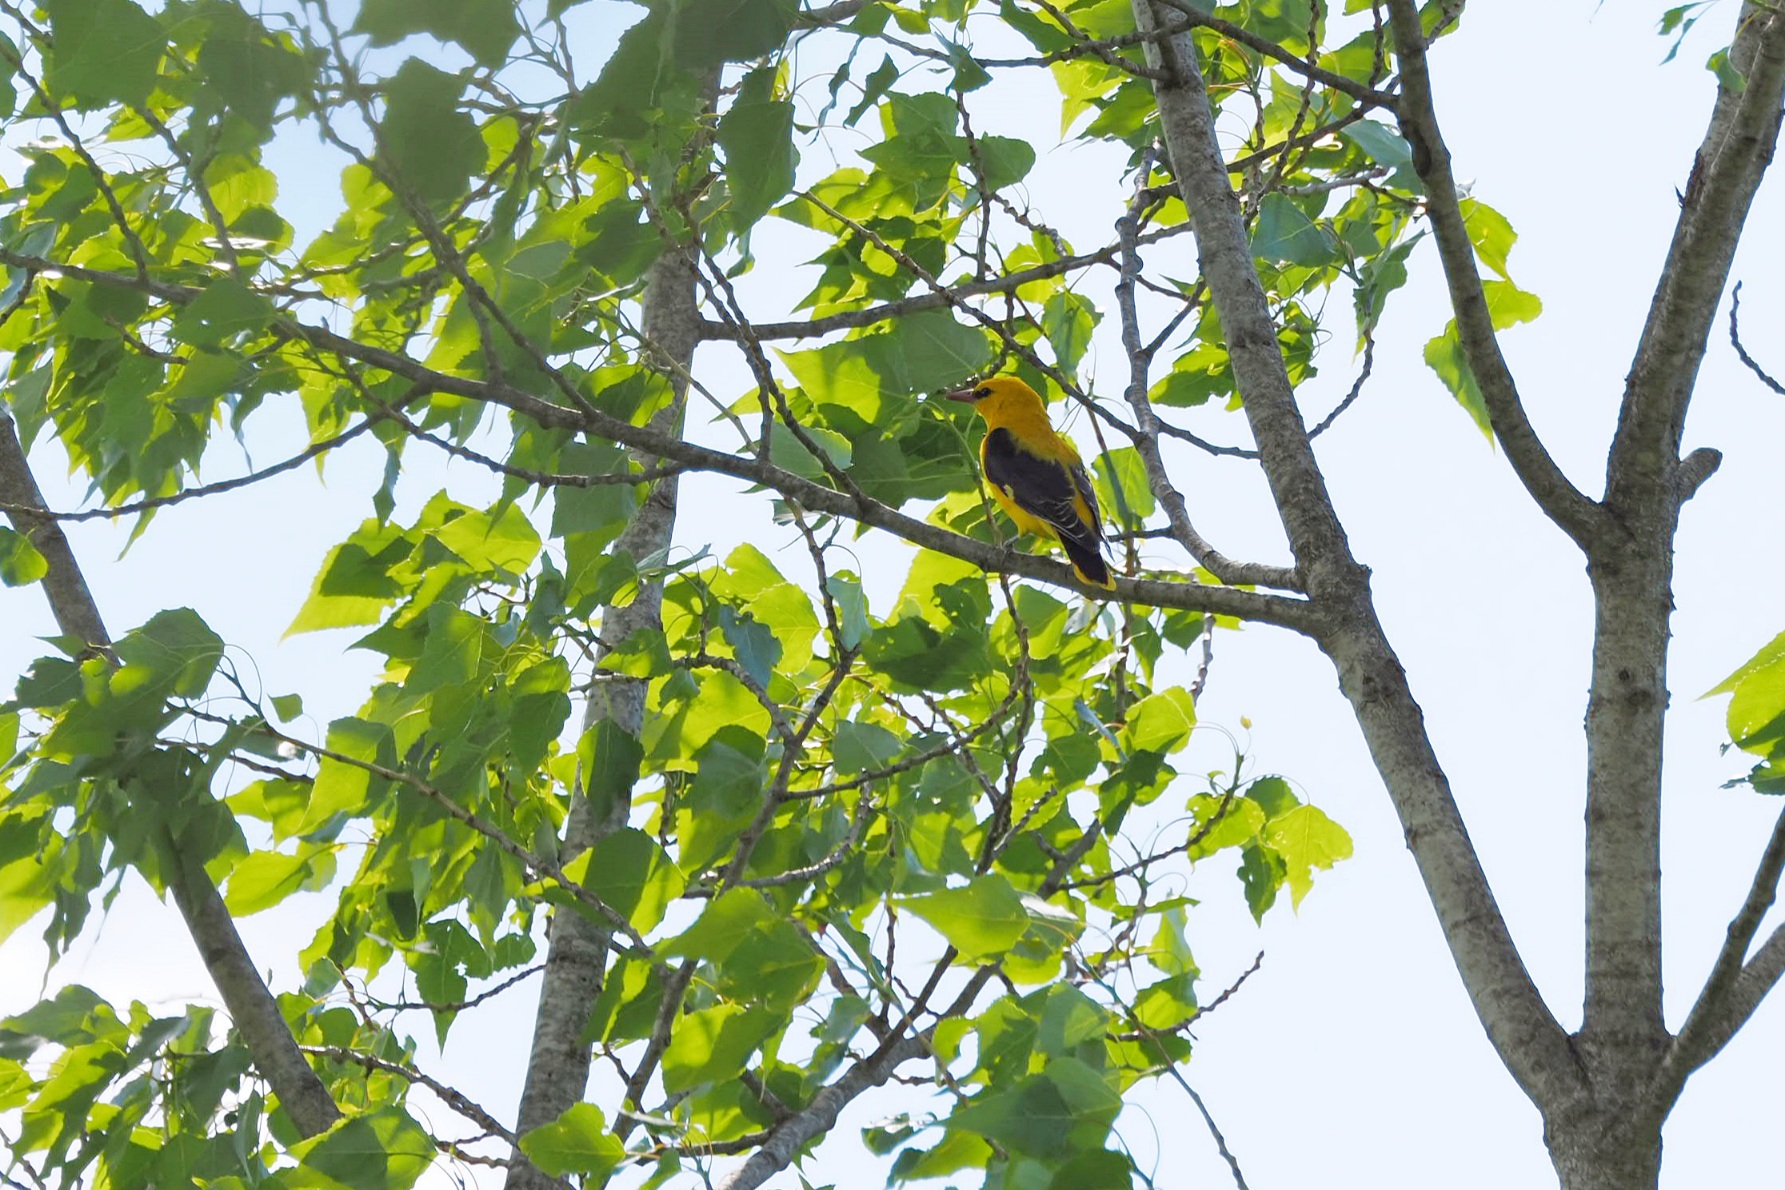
1595 1154
558 1067
1605 1091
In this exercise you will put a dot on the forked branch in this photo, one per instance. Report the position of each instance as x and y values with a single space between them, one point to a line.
1571 509
1517 1020
1737 148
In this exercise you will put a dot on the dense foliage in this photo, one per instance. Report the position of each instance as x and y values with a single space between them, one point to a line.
810 779
792 839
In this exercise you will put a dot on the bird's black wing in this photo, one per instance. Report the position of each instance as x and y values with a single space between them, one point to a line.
1045 489
1040 487
1085 489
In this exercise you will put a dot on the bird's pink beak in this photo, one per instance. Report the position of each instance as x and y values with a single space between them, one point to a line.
964 394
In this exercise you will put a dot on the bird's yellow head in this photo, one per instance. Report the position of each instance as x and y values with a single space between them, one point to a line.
1002 400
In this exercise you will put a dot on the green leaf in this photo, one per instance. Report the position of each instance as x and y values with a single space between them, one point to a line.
1444 355
1489 231
852 610
431 145
1067 319
789 453
1273 795
1221 823
708 32
773 965
245 68
384 1149
609 758
451 650
930 350
20 563
1007 161
1160 722
1757 711
921 353
68 1018
984 918
1123 485
341 786
1261 875
727 920
225 309
600 510
577 1142
27 885
105 51
175 650
714 1044
1086 1092
1069 1019
874 88
1770 655
752 643
858 747
1508 305
354 585
1385 147
1728 77
486 28
1306 839
1032 1118
631 873
1166 1004
1286 235
756 134
266 878
505 542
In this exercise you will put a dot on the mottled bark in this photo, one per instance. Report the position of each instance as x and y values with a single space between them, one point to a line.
1534 1046
1605 1092
558 1066
1622 1033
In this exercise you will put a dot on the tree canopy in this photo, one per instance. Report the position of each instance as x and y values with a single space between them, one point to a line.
802 838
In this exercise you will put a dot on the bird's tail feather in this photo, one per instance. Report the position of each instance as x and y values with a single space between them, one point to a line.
1087 561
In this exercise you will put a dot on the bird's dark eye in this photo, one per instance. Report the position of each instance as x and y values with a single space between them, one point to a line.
982 391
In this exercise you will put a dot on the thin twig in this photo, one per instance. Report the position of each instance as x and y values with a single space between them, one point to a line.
1735 340
1239 1178
459 1005
451 1096
209 489
1357 388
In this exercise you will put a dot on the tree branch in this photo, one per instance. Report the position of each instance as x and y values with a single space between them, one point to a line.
1573 511
451 1096
1296 614
1623 1036
1738 146
151 503
1751 987
1735 340
1709 1025
558 1064
251 1006
812 328
1362 92
820 1116
1146 444
1529 1040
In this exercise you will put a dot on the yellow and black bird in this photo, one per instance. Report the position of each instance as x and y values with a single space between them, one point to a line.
1036 475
